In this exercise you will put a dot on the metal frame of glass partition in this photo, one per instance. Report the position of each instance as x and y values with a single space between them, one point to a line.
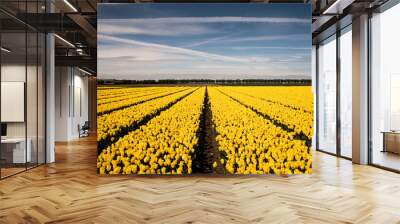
335 30
42 117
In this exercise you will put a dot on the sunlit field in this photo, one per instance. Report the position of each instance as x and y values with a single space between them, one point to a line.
204 129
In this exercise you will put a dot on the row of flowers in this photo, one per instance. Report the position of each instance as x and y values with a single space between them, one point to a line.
112 91
109 125
299 121
131 94
252 144
130 101
165 145
297 97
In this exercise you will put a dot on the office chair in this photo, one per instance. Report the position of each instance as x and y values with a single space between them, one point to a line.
84 130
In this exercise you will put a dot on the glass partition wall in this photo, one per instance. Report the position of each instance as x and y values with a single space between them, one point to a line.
334 104
334 83
13 86
345 108
22 88
327 95
385 89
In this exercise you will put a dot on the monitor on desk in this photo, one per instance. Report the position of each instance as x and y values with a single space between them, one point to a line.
3 130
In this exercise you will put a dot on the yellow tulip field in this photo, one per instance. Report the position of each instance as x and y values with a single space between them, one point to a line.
204 129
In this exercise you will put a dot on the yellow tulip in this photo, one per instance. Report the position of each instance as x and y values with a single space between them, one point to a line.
215 164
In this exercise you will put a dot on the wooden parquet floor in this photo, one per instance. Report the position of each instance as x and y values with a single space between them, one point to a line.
70 191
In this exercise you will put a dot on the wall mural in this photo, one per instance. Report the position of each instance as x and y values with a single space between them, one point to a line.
204 88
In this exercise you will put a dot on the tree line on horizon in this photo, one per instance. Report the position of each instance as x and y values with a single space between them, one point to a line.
303 82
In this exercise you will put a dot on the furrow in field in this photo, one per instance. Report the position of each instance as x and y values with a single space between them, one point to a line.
207 151
251 144
118 123
165 145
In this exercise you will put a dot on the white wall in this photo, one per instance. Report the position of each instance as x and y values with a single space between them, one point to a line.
71 87
62 82
79 112
13 72
82 82
13 101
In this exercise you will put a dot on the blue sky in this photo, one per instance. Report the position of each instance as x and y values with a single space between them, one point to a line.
215 41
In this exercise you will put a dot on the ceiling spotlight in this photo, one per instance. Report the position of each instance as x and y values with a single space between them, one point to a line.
64 40
70 5
79 51
5 50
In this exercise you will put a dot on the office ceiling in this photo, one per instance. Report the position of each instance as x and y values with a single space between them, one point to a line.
75 21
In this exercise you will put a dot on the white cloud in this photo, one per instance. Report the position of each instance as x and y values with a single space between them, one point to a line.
181 68
207 41
139 70
123 58
229 38
120 27
269 37
221 19
269 47
167 48
187 25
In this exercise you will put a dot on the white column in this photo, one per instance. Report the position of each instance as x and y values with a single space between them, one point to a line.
360 89
50 92
50 99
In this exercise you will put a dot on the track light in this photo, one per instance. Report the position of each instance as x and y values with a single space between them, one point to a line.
65 41
70 5
334 5
337 7
5 50
84 71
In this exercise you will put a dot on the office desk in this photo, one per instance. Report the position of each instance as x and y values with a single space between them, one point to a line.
16 147
391 141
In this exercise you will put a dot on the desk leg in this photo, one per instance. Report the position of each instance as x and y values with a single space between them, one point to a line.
384 143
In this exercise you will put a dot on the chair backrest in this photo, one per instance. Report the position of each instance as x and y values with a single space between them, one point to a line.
86 125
